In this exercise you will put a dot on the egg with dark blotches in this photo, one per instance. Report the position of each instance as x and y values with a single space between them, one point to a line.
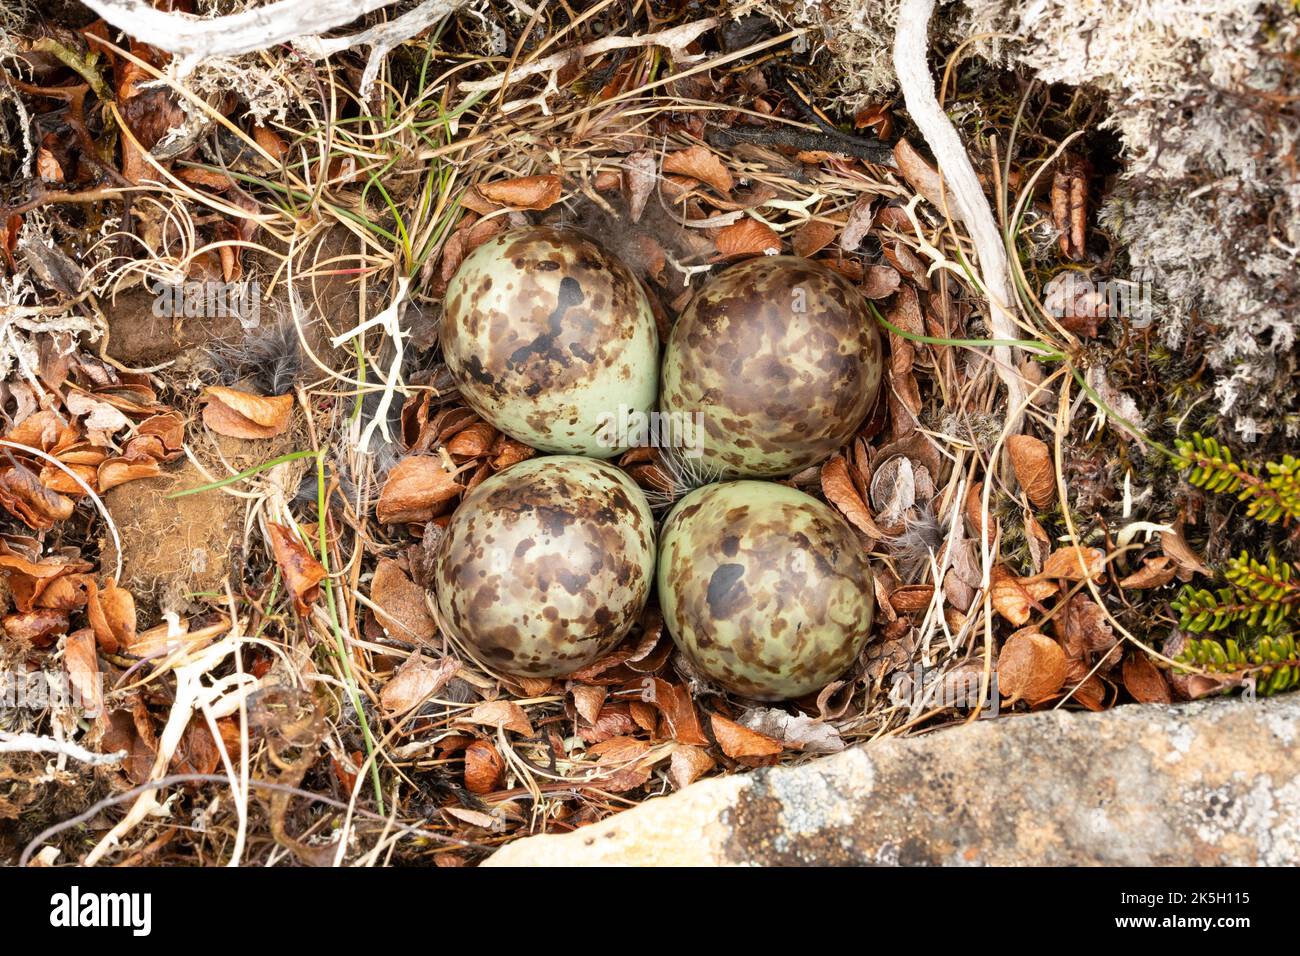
780 358
766 590
549 338
546 565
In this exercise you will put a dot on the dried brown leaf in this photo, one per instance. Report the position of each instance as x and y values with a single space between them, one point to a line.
699 163
919 174
414 488
1031 667
484 767
524 192
687 765
738 742
1155 572
237 414
112 617
401 603
1144 680
812 237
1015 598
301 572
1032 462
500 713
838 487
675 703
588 699
1074 563
748 237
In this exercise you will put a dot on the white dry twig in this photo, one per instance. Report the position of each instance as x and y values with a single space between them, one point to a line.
250 30
33 744
911 48
300 22
675 40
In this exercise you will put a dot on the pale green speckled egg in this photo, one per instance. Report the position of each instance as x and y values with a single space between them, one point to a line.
766 590
549 338
546 565
782 360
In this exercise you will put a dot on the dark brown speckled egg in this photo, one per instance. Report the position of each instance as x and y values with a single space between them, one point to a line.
765 589
546 565
782 359
548 337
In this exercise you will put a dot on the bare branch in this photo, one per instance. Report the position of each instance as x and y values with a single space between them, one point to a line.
32 744
254 29
911 47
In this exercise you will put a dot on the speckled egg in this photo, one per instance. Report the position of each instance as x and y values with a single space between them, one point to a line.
546 565
766 590
782 359
549 337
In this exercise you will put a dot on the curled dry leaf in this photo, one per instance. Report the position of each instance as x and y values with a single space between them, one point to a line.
301 572
1155 572
738 741
640 178
748 237
688 764
795 731
838 487
861 219
1074 563
111 613
1032 463
473 441
81 662
1070 206
484 767
402 609
973 508
508 451
524 192
911 598
919 174
415 682
1091 694
1188 561
1031 667
588 699
415 487
38 627
880 282
500 713
1085 629
23 495
613 721
118 471
812 237
237 414
699 163
674 702
1015 598
1144 680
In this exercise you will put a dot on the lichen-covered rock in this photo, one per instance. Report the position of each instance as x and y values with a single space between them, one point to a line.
546 565
766 590
1208 784
549 338
781 358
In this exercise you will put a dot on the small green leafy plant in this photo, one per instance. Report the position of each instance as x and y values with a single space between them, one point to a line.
1272 660
1260 597
1272 491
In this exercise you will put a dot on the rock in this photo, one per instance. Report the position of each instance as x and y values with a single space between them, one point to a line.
1210 783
